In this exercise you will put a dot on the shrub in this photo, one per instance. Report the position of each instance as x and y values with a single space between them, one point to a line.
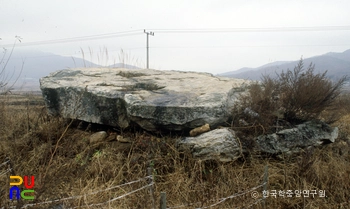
305 94
292 97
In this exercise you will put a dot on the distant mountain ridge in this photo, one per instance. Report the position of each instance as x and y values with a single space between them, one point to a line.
248 69
336 65
37 64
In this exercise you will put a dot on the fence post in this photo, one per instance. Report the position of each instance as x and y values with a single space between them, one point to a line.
151 189
266 178
162 200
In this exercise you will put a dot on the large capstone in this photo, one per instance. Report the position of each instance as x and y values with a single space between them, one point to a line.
155 100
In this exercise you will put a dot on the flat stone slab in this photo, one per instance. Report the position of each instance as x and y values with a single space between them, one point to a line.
219 144
294 140
155 100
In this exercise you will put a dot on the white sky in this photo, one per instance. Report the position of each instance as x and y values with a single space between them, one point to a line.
215 52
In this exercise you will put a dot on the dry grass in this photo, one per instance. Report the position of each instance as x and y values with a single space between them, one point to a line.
65 164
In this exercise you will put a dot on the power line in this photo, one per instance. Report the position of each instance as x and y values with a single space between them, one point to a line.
250 30
184 30
80 38
243 46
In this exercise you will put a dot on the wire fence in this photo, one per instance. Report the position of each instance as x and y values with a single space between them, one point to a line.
6 171
93 193
221 200
63 200
4 163
233 196
149 178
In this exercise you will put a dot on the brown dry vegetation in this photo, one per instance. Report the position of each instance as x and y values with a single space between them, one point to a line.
295 96
65 164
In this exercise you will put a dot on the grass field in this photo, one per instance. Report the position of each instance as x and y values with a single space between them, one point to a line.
66 165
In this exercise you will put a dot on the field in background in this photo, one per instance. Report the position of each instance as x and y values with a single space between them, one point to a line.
66 165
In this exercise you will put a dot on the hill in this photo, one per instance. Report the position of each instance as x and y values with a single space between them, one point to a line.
37 64
336 65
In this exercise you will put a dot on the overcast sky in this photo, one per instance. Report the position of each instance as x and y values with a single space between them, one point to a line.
196 35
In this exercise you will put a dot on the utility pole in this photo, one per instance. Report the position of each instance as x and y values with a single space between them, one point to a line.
152 34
